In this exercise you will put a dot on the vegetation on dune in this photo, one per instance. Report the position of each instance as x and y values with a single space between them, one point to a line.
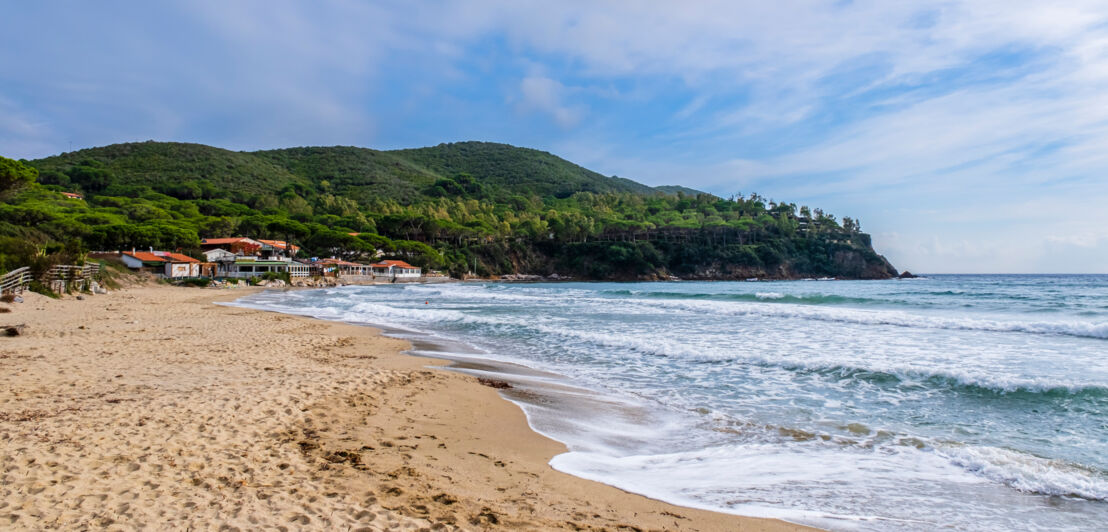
457 207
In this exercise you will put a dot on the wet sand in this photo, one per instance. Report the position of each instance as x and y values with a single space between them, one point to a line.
154 407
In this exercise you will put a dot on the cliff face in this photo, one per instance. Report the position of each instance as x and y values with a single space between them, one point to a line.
801 259
848 265
856 264
645 261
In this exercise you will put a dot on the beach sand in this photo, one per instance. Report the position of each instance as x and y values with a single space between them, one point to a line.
152 407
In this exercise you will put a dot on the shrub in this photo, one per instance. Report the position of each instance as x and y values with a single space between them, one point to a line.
43 289
274 276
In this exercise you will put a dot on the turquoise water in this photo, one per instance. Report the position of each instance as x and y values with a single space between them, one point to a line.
975 402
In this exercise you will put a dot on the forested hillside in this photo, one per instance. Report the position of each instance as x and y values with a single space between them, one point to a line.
493 207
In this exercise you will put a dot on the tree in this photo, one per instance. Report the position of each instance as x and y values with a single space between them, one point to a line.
850 225
288 228
14 175
338 244
90 176
219 227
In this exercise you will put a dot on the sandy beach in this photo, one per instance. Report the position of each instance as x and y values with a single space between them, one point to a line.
153 407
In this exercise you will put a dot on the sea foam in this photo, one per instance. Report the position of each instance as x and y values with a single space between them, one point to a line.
952 402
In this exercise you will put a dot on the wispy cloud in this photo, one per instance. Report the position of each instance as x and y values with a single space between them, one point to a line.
546 95
932 121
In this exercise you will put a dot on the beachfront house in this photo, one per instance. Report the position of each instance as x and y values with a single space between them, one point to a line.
244 267
345 269
396 269
278 249
219 255
163 263
237 245
241 257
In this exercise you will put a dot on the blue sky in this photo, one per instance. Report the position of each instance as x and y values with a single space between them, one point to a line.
966 136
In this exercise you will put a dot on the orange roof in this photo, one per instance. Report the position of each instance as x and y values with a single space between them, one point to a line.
144 256
279 244
71 195
338 262
177 257
159 256
395 263
223 240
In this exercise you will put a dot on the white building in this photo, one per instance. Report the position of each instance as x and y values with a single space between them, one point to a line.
241 257
396 269
219 255
169 264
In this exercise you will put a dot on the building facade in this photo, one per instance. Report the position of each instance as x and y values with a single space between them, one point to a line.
163 263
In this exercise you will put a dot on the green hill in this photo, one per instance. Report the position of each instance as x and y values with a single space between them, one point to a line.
452 206
168 163
403 175
518 170
362 174
674 189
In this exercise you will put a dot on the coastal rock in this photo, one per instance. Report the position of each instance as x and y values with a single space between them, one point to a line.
520 277
907 275
857 264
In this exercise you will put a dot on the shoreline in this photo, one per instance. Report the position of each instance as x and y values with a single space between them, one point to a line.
252 419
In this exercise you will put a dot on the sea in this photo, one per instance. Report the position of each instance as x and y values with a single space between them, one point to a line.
974 402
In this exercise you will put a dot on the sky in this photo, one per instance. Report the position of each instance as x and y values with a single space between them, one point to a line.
966 136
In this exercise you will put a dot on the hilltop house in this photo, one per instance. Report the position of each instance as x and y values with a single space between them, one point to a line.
169 264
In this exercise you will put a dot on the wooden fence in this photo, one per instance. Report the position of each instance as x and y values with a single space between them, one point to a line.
66 277
61 278
15 281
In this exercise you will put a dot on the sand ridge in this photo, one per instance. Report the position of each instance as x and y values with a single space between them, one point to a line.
152 407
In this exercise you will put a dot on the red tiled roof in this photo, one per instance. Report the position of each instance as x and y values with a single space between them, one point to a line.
338 262
177 257
279 244
144 256
223 240
72 195
159 256
393 263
